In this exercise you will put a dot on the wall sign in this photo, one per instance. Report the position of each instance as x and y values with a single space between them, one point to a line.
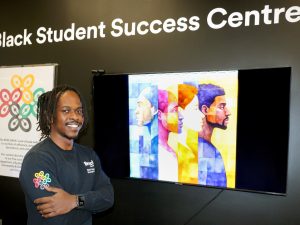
216 19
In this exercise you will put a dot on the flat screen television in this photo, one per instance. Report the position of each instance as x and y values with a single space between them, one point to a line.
222 129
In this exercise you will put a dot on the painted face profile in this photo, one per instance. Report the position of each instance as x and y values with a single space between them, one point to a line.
171 118
218 113
189 103
144 111
192 116
146 105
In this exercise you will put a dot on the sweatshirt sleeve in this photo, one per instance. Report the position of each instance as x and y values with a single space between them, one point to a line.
37 172
101 197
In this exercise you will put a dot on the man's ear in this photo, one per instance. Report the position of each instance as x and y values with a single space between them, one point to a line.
204 109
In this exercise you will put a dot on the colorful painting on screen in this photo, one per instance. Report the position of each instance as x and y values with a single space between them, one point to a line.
183 127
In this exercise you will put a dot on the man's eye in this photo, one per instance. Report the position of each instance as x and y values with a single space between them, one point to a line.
80 111
65 111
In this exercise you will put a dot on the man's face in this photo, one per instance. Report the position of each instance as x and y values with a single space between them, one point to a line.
171 118
144 111
69 116
218 114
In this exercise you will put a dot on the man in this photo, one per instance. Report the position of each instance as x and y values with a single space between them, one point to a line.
169 120
146 116
187 147
63 181
184 140
212 104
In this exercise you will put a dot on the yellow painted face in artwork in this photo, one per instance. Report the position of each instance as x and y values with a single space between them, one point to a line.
192 116
218 113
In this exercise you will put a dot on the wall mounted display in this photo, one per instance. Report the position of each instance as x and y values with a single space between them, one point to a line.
224 129
20 88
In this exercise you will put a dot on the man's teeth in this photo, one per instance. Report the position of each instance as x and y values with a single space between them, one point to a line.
73 125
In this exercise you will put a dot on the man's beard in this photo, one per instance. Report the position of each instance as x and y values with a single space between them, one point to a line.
217 125
69 136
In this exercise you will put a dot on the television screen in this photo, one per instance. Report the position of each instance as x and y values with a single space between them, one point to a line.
226 129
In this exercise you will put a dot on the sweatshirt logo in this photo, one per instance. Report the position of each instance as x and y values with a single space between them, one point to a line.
89 166
41 180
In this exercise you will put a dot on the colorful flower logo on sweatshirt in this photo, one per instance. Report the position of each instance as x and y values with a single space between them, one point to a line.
41 180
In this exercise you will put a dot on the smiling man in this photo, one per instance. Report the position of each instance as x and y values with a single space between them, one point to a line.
212 103
63 181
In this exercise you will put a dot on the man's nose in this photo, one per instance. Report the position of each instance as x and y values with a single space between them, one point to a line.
74 114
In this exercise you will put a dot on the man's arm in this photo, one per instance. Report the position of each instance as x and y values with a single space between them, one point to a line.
59 203
44 201
101 197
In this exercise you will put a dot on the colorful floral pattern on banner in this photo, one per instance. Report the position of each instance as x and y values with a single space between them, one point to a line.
19 103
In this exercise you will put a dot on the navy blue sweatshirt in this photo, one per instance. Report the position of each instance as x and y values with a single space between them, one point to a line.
77 171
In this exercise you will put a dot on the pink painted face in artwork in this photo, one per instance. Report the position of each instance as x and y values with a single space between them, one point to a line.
171 118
